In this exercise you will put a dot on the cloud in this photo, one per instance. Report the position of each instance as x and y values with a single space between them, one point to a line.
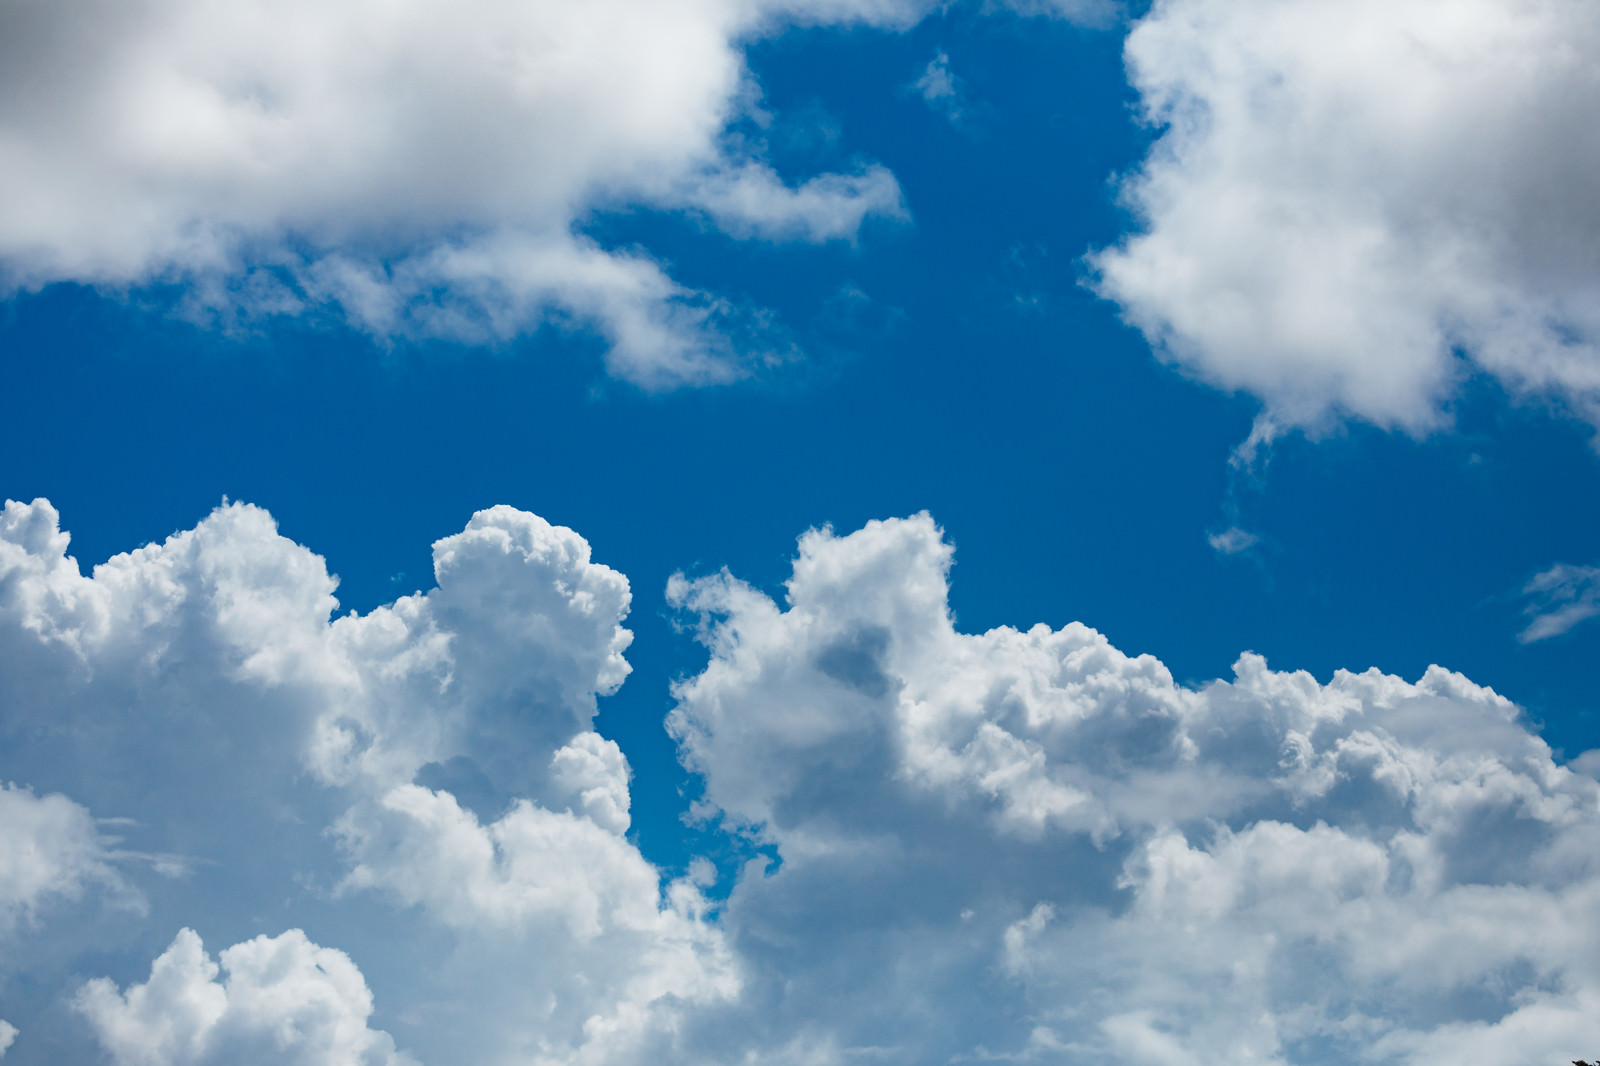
1012 844
753 202
937 85
1086 12
8 1035
50 850
284 1000
1561 597
1027 844
423 779
423 170
1353 206
1232 540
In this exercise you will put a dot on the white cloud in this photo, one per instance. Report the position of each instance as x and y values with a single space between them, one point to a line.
435 755
529 864
1087 12
937 82
49 850
595 773
423 169
8 1035
284 1000
1232 541
1561 597
1354 205
1018 843
937 85
753 202
1024 843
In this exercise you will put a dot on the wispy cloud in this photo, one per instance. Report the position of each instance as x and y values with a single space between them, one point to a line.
1561 597
1232 540
940 88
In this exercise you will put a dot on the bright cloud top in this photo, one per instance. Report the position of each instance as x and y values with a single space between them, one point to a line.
1355 204
423 168
1019 843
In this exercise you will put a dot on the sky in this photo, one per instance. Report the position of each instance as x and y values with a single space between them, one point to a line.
799 532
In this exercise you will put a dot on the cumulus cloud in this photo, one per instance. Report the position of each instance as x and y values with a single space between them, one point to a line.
422 170
1560 598
284 1000
1353 206
424 776
8 1034
1013 844
1028 844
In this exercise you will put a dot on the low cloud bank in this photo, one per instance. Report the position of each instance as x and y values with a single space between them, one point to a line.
1022 843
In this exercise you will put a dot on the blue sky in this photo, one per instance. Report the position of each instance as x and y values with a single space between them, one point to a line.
726 274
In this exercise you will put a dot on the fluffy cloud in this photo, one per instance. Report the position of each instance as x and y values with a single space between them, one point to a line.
1025 843
435 754
284 1000
424 169
1013 844
1353 205
49 849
